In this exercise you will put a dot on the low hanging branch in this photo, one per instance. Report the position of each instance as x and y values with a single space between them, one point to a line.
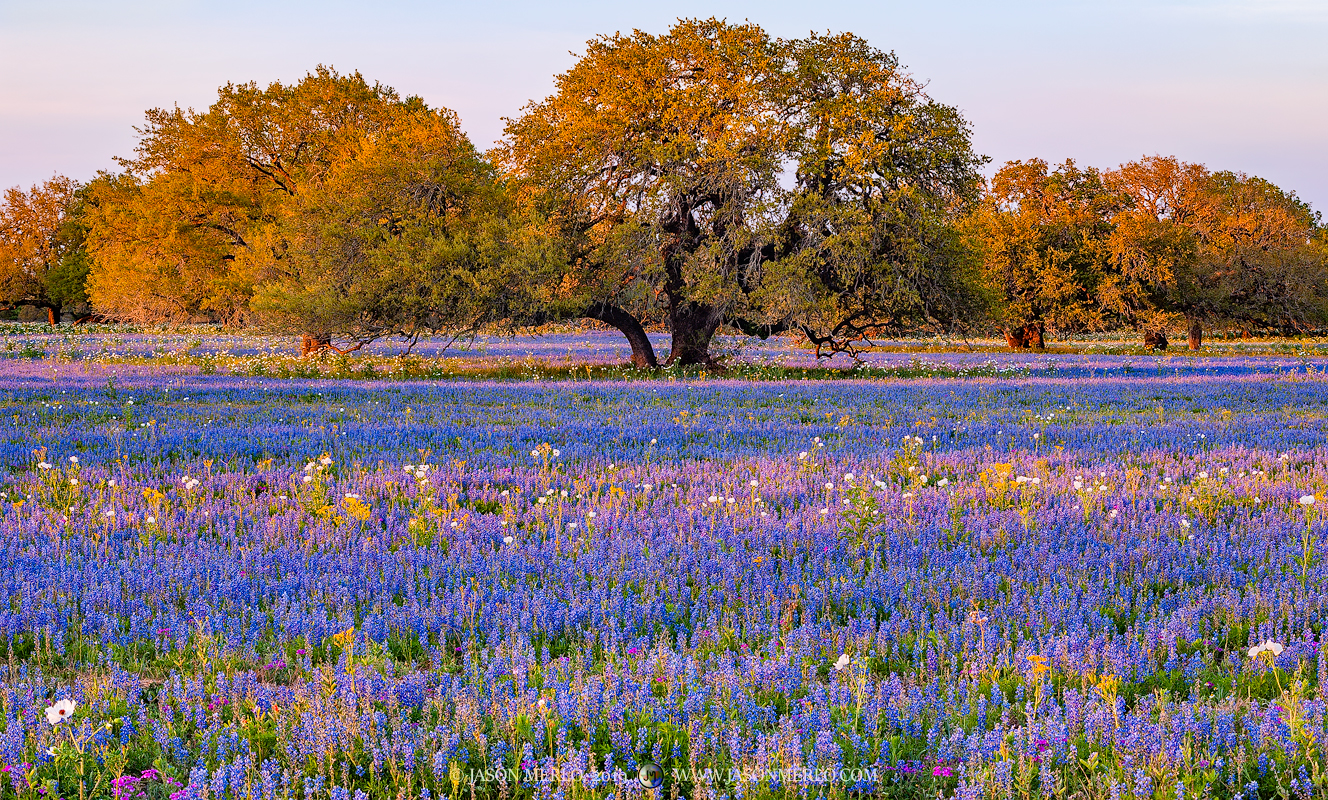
311 345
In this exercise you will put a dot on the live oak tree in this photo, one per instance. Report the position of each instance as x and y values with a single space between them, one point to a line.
714 175
1264 249
1046 241
402 236
1156 250
649 166
43 262
1213 247
168 236
869 241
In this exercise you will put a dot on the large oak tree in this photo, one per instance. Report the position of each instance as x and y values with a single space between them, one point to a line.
1152 243
169 235
402 236
714 175
1046 235
1210 247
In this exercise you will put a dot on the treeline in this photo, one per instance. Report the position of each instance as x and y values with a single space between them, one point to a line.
712 177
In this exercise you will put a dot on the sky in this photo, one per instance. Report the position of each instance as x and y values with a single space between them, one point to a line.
1239 85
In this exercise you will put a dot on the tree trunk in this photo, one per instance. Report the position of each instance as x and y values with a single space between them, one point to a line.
1033 335
1155 340
643 353
693 326
50 315
1014 339
311 344
1195 334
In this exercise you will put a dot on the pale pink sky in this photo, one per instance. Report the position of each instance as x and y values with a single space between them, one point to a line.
1239 85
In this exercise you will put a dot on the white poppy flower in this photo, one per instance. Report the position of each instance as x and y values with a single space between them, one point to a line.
60 711
1268 646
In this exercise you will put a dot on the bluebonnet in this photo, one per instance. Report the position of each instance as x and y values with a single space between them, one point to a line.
667 611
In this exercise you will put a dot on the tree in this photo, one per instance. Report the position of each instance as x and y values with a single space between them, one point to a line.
401 236
656 169
42 258
1156 250
1045 236
1208 246
167 237
649 164
1261 246
870 242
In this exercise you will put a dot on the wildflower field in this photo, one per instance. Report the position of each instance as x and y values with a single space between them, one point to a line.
1096 576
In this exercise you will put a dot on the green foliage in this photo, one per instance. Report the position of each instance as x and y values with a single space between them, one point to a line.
404 237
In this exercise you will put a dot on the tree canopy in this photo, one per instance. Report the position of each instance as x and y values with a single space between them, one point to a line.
42 258
1046 239
714 175
170 235
1219 246
710 177
1154 242
401 236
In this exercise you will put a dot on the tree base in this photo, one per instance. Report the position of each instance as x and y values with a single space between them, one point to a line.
1194 336
310 345
1031 335
1155 340
693 326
